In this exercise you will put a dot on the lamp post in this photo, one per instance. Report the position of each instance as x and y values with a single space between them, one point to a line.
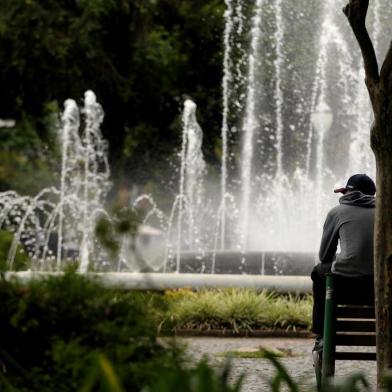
322 119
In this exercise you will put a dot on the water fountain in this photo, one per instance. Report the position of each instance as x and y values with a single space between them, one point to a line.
283 193
276 187
292 127
61 221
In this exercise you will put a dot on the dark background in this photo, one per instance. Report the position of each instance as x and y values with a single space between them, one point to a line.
141 58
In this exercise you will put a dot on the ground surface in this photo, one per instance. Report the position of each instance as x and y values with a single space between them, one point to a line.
259 371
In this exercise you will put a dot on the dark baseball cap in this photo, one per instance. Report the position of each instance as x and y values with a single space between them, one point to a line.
359 182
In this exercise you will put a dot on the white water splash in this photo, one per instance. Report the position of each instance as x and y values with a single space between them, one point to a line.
251 123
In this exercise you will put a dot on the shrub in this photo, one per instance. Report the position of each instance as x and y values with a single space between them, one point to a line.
236 309
52 331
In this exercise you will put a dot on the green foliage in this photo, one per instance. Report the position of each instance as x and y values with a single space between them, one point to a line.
21 259
23 175
102 372
201 378
237 309
110 231
355 382
52 332
281 376
28 162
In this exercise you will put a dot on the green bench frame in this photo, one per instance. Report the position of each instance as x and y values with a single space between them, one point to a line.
344 325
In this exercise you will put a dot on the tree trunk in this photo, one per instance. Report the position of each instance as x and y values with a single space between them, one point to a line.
379 84
383 243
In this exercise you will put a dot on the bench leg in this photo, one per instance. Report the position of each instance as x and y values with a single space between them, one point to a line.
328 361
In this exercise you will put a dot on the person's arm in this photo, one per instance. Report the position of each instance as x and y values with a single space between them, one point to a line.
330 239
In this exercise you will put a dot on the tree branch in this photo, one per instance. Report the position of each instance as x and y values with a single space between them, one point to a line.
356 11
386 69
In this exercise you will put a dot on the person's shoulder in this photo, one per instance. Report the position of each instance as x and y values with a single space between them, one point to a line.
336 211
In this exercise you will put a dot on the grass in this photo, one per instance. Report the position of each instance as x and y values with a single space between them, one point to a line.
235 309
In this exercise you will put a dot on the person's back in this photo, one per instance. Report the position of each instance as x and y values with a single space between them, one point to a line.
351 223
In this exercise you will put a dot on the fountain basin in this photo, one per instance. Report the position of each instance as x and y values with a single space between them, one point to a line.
166 281
252 263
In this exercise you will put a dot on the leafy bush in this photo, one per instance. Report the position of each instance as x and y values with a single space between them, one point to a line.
52 331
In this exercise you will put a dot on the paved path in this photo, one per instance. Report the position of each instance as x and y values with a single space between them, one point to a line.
259 371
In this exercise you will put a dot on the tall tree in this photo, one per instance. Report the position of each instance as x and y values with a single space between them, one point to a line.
379 85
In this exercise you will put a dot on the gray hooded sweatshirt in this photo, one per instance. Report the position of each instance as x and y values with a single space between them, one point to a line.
351 223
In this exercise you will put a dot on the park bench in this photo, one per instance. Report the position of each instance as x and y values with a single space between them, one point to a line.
349 321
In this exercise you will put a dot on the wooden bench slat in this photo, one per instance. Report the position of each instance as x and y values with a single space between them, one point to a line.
355 340
364 312
355 356
355 325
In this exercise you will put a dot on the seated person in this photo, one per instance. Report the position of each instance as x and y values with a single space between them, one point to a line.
350 223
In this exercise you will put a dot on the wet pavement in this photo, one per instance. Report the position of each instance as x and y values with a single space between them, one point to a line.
259 371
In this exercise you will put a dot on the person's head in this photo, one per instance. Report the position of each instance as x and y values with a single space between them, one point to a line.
358 182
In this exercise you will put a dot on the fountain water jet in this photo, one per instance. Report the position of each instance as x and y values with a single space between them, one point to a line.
68 213
250 125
